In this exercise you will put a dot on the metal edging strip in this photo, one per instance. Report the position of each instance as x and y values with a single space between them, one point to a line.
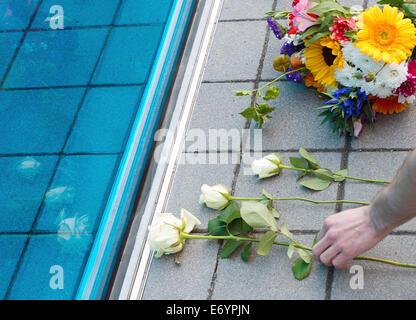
134 282
137 151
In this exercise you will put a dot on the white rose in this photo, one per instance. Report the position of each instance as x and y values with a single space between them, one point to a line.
215 197
165 232
267 167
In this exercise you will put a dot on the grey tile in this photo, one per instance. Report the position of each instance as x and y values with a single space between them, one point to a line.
217 110
236 51
350 3
381 281
296 123
272 51
191 174
371 3
267 278
391 131
375 165
188 281
284 5
248 9
298 215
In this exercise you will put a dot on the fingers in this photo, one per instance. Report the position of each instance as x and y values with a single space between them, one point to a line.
340 261
328 255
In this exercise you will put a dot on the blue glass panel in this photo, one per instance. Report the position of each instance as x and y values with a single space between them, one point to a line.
79 190
42 117
23 183
51 267
104 122
56 58
150 11
77 13
129 55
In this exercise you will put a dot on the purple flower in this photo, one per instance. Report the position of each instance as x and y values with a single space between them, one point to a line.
289 48
294 76
275 28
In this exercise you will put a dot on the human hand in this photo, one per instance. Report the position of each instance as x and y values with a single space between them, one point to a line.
346 235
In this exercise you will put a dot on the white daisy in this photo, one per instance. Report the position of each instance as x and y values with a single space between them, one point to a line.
393 75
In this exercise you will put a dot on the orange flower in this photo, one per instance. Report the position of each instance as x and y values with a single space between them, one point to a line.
389 105
311 82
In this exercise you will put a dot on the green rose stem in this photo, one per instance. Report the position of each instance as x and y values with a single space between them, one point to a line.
296 245
301 199
271 82
340 175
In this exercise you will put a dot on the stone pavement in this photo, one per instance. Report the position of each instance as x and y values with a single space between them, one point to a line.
241 58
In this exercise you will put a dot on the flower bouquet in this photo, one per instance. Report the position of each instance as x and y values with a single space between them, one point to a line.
362 61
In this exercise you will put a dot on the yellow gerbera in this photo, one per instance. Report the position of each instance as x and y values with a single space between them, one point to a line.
386 34
323 57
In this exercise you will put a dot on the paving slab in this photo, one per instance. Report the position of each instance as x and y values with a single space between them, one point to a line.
296 123
190 280
249 9
298 215
381 281
189 178
217 109
236 51
267 278
390 131
376 165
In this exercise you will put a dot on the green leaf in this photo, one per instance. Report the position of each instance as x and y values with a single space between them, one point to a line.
299 163
217 227
313 162
231 213
229 247
316 184
290 251
285 231
267 195
249 113
311 31
266 243
318 36
324 174
243 93
343 173
301 269
264 109
393 2
275 213
327 6
328 19
410 9
315 240
246 252
306 256
303 174
258 215
272 93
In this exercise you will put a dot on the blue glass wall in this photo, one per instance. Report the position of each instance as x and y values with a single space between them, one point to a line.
68 99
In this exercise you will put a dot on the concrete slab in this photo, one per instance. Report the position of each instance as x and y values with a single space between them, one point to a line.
190 280
189 178
298 215
381 281
376 165
236 51
295 121
267 278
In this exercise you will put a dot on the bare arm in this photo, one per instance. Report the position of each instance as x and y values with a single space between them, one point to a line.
350 233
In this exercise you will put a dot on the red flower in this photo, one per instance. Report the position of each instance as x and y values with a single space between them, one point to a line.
342 26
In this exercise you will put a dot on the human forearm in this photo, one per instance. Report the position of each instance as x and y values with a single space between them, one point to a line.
396 204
